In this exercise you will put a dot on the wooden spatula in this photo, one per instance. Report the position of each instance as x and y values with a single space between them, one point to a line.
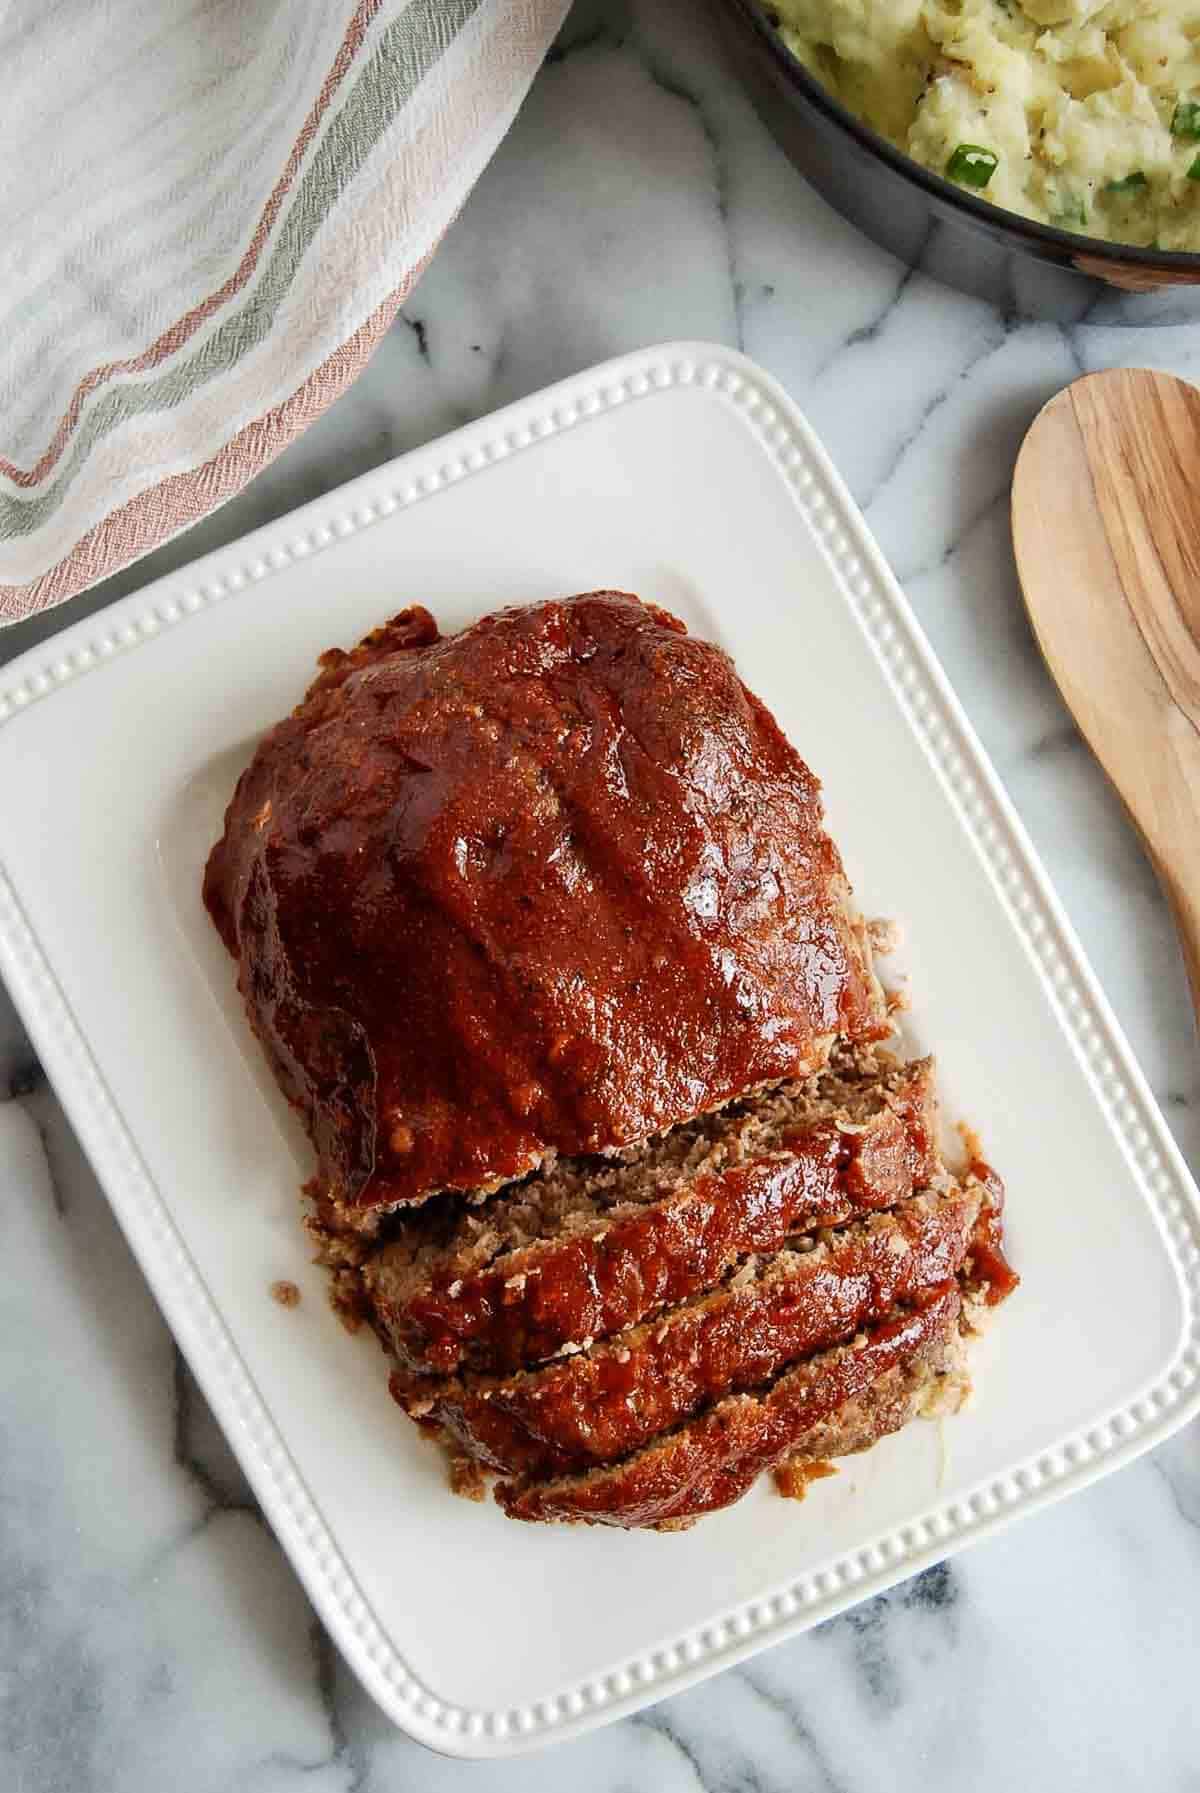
1106 527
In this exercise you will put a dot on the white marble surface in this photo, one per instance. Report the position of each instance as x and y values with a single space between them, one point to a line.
153 1634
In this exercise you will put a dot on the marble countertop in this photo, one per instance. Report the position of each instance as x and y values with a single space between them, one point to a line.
153 1633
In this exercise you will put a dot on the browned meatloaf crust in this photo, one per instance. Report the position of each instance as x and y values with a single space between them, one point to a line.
600 1405
587 1248
842 1400
549 885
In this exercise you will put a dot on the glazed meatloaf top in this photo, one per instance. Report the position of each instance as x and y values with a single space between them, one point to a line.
548 885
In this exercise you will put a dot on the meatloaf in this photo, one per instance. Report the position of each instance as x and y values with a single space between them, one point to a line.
583 1250
841 1401
602 1403
546 886
543 935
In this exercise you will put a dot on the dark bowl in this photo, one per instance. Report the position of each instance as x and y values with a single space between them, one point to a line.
929 223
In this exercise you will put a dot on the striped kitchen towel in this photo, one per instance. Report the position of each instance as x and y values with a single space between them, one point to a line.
210 211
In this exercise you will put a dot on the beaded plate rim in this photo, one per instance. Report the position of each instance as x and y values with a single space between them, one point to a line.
936 718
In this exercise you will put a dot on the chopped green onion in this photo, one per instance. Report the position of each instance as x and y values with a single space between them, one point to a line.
1193 172
1130 184
971 165
1185 120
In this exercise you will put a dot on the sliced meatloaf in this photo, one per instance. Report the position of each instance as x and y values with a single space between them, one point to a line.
543 935
988 1277
842 1400
602 1404
583 1250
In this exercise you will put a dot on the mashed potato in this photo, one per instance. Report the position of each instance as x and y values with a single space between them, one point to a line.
1081 115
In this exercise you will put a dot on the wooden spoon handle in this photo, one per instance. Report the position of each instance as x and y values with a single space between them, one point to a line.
1106 513
1186 911
1174 852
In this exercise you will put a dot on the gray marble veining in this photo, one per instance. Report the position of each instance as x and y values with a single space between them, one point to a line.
153 1634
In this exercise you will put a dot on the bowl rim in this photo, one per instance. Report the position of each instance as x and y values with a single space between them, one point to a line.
981 211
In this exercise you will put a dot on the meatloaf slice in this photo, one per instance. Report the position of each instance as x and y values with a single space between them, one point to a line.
600 1405
593 1246
842 1400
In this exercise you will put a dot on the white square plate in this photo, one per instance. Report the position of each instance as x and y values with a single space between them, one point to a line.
685 474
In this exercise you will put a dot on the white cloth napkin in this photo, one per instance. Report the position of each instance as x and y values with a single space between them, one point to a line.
209 214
